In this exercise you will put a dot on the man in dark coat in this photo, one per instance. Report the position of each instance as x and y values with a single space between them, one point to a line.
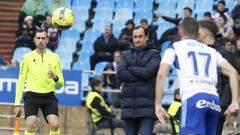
137 71
104 48
207 35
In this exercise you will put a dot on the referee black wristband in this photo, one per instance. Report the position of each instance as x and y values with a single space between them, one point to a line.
55 80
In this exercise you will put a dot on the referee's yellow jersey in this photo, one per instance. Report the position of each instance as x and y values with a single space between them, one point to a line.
34 70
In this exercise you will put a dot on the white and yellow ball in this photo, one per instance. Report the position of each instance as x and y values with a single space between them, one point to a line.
62 18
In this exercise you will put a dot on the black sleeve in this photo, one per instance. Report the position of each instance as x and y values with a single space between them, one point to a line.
230 58
172 20
102 110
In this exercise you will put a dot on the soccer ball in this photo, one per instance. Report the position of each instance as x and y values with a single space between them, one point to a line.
62 18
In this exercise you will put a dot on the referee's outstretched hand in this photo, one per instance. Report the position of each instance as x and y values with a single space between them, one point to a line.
17 111
232 109
161 114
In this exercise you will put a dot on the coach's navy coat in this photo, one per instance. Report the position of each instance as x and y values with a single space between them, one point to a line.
137 71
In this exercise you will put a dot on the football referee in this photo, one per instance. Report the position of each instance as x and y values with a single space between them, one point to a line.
41 70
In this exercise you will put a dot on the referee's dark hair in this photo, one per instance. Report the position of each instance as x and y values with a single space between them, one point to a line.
40 31
190 27
210 26
95 82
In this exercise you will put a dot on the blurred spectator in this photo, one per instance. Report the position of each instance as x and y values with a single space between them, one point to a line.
13 63
109 82
125 37
101 114
54 4
151 30
207 16
104 47
117 58
26 33
1 60
224 29
237 54
53 33
236 18
229 45
221 10
174 111
35 8
187 12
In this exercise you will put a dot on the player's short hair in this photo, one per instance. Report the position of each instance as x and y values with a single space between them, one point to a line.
190 27
211 26
145 30
144 21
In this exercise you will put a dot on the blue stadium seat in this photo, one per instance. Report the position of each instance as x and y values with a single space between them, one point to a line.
80 13
123 14
71 33
125 4
81 3
116 34
105 4
19 52
100 25
165 45
66 59
80 26
167 99
143 14
203 6
103 14
82 64
67 45
144 5
167 6
164 26
99 68
118 25
87 48
91 35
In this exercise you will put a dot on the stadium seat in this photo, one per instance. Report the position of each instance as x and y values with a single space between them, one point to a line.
203 6
165 45
124 4
103 14
167 6
105 4
143 14
167 99
90 35
143 5
87 48
80 13
19 52
99 68
116 34
100 25
81 64
123 14
71 33
67 45
80 26
81 3
118 25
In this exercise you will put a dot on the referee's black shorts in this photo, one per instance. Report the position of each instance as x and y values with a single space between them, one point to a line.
47 102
